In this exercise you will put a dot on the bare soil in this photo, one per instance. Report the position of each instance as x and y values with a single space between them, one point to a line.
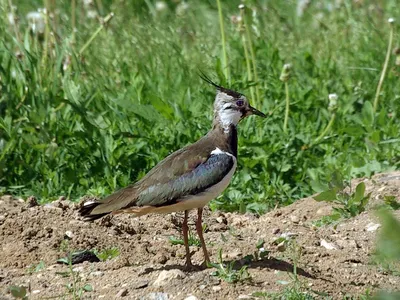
30 234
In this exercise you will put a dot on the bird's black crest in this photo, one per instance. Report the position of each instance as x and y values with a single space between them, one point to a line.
229 92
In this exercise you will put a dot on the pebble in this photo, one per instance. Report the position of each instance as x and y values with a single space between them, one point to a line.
326 245
371 227
166 276
191 297
35 292
295 219
122 293
245 297
216 288
275 231
97 273
156 296
233 255
202 287
78 269
68 235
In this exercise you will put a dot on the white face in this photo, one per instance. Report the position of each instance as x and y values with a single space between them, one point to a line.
229 109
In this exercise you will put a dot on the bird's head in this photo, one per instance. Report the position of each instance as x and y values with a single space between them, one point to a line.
230 107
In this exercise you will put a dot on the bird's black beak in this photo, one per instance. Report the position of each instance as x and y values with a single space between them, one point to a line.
253 111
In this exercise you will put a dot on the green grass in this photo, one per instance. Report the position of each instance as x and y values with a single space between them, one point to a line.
74 124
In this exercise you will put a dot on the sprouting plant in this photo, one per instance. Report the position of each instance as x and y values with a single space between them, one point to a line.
347 203
227 272
36 268
75 287
392 202
259 254
108 253
192 240
295 289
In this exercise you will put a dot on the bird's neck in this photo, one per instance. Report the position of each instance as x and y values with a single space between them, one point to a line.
225 137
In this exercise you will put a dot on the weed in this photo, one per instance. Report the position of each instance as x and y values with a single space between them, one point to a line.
107 254
348 204
75 287
259 254
227 272
192 240
391 201
36 268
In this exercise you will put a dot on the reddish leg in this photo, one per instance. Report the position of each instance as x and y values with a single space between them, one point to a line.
185 231
199 228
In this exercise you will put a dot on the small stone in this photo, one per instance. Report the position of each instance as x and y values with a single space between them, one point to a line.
34 292
281 246
202 287
216 288
295 219
167 276
275 231
233 255
78 269
221 220
122 293
160 258
97 273
191 297
140 284
156 296
68 235
245 297
324 211
326 245
371 227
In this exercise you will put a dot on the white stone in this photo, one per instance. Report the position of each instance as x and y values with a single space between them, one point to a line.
326 245
371 227
166 276
191 297
216 288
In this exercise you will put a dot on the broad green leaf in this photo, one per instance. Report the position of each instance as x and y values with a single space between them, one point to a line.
359 194
329 195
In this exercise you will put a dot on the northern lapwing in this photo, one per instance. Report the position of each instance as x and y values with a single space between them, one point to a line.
188 178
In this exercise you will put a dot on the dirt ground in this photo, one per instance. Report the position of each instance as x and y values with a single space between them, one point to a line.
335 261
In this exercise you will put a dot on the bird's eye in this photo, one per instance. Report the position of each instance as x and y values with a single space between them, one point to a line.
240 103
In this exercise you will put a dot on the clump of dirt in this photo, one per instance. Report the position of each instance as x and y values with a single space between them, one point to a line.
335 260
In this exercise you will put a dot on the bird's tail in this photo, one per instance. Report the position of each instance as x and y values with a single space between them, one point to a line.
86 210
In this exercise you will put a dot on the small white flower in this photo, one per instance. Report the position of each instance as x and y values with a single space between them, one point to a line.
391 20
11 19
332 106
161 6
91 14
182 8
36 22
241 6
333 97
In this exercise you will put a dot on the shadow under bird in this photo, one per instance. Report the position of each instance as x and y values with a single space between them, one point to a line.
188 178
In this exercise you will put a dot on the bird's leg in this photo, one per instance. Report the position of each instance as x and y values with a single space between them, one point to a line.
199 228
185 231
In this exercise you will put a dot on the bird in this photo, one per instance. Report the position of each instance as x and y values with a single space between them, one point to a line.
188 178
